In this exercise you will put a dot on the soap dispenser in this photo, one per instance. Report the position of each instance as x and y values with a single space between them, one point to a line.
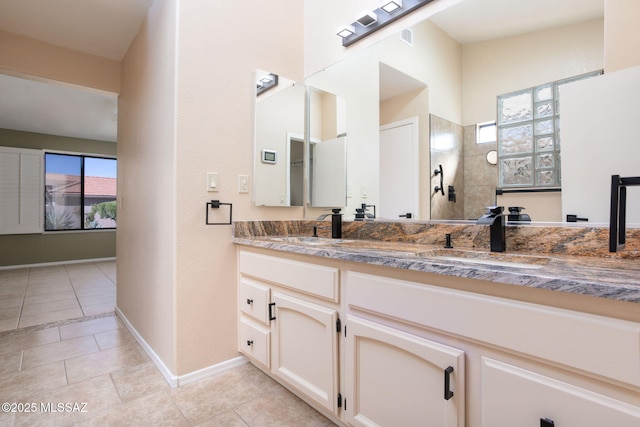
336 224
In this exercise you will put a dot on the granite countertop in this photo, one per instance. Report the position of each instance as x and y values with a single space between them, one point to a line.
616 278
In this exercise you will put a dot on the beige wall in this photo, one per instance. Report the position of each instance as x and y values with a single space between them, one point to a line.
25 57
504 65
147 183
622 34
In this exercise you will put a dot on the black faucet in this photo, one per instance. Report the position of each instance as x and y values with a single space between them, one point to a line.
497 227
336 224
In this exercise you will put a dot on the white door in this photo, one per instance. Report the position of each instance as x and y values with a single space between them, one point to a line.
329 173
305 348
399 169
512 396
398 379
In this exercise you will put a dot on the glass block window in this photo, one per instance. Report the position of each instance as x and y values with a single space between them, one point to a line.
529 135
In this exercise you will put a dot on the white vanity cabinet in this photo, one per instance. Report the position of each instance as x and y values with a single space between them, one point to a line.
580 348
514 396
427 349
398 379
288 323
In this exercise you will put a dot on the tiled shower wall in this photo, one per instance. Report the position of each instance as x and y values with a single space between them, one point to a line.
446 140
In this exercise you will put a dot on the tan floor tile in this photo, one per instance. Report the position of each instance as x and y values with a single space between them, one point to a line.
45 354
280 409
10 313
87 398
103 362
98 299
8 324
225 419
6 418
90 310
114 338
10 302
139 381
100 289
53 296
263 381
48 288
18 386
19 340
10 362
88 327
9 291
153 410
45 307
53 316
211 396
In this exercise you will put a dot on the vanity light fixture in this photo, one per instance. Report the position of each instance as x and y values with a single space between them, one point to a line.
366 18
266 82
391 6
370 21
346 31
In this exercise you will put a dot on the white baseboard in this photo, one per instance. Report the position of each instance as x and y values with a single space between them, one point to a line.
48 264
175 380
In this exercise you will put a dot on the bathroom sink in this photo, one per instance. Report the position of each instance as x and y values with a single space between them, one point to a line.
486 258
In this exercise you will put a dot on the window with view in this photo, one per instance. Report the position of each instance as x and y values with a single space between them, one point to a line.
80 192
529 135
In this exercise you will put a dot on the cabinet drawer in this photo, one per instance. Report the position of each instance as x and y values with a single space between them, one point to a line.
255 342
512 396
596 344
254 299
312 279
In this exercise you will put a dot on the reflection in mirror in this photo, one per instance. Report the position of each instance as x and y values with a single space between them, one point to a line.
279 145
327 149
469 178
463 57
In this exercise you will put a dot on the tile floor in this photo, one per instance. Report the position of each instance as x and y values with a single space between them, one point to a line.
93 372
38 295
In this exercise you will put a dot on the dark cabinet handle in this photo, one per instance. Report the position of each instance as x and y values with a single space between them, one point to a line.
271 314
249 343
249 301
448 394
546 422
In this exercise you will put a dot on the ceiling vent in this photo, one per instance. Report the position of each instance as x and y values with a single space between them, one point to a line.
407 36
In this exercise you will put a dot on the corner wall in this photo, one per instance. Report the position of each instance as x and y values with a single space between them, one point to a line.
187 108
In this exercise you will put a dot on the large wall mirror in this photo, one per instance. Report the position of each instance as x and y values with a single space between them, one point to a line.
413 103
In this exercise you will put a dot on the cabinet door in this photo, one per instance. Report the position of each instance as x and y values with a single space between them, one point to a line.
304 348
512 396
398 379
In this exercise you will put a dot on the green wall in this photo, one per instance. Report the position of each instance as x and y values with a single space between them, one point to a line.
21 249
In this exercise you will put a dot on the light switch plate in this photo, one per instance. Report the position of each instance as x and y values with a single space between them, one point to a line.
213 181
243 183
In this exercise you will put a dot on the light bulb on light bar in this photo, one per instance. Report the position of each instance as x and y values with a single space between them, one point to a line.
366 18
265 79
391 6
345 31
